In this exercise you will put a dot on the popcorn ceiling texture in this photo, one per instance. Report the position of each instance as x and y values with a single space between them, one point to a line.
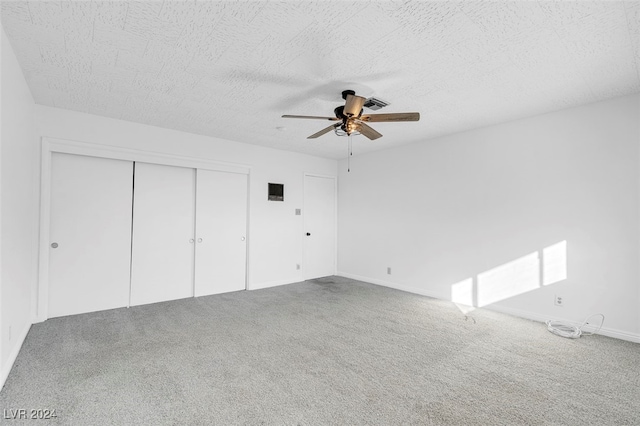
231 69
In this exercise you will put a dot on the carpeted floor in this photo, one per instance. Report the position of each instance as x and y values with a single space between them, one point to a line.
331 351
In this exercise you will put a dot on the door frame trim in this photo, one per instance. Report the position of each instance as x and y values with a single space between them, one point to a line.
335 219
55 145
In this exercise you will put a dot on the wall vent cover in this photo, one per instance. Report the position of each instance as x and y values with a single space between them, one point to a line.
375 103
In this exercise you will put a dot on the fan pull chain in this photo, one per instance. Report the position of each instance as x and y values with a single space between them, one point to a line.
350 149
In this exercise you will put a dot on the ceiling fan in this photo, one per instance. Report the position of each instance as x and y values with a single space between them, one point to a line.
352 121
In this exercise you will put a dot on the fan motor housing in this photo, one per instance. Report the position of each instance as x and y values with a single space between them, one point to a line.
339 112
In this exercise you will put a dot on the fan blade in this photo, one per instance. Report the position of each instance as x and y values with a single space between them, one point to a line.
399 116
368 131
323 131
353 105
312 117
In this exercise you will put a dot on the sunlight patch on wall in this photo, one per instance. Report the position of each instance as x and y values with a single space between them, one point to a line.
555 263
508 280
462 295
527 273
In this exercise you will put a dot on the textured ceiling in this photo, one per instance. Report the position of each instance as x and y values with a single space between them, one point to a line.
231 69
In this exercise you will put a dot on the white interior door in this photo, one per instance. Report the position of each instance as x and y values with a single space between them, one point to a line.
320 227
221 226
90 234
163 232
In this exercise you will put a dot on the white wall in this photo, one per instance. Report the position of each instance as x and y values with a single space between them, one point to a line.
452 209
275 233
19 207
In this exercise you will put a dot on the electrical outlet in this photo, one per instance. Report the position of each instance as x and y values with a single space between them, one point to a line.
558 300
388 270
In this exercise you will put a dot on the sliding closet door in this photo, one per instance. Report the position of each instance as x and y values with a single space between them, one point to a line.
90 234
221 226
163 231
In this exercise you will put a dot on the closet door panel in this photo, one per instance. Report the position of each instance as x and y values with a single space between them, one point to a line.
90 234
221 226
163 231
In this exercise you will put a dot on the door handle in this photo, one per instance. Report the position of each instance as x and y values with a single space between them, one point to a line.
191 240
54 245
199 240
242 239
308 234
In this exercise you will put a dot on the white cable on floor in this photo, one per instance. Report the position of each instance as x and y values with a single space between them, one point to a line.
571 331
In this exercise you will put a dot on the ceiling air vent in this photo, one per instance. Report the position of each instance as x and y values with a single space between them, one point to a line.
375 104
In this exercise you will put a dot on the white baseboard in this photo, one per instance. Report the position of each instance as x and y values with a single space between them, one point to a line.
390 284
6 369
605 331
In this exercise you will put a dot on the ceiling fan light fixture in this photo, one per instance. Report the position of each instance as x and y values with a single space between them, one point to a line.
350 120
339 132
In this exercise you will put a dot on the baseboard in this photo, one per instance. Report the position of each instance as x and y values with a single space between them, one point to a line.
6 369
605 331
396 286
268 284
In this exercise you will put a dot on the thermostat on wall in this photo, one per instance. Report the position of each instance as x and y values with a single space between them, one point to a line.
276 192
